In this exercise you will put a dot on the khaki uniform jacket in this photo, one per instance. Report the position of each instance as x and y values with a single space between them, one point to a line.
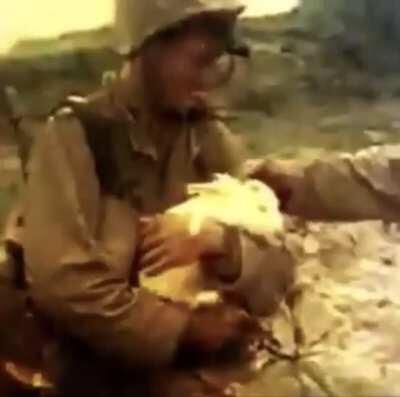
80 213
363 186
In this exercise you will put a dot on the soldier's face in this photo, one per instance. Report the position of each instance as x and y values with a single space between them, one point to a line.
183 69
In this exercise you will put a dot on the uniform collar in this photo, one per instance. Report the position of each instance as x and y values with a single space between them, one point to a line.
127 98
123 104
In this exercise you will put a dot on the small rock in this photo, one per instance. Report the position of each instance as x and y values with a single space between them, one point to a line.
388 261
376 137
311 245
314 227
396 125
383 303
335 122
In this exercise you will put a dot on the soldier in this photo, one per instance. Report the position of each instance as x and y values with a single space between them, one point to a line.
105 161
361 186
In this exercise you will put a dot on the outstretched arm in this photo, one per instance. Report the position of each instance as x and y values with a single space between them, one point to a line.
362 186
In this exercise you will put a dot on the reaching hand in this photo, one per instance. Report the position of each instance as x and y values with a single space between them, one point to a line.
280 175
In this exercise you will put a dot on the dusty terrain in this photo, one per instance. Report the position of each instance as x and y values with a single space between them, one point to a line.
339 335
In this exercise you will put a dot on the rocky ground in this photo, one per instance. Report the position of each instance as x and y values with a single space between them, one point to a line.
338 335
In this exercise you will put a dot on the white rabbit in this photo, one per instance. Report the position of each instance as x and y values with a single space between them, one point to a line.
248 204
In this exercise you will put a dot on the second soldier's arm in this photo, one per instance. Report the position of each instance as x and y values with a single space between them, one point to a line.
362 186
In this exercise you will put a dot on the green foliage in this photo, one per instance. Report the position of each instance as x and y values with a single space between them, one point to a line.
367 30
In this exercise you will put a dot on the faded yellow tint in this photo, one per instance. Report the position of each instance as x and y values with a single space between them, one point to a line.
46 18
260 7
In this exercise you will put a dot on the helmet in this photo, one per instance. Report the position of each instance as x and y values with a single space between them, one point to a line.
138 20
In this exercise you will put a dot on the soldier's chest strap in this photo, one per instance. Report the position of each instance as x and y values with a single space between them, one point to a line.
109 143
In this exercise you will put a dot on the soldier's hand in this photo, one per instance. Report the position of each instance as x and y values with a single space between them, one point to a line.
280 175
211 328
166 242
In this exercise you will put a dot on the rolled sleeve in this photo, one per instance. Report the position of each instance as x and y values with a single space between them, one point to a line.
361 186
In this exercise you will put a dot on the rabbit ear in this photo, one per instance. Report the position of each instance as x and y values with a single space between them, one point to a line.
201 188
255 185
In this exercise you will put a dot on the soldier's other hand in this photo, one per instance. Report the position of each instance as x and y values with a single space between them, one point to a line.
211 328
166 242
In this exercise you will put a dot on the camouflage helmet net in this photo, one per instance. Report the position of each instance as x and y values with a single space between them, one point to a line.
138 20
